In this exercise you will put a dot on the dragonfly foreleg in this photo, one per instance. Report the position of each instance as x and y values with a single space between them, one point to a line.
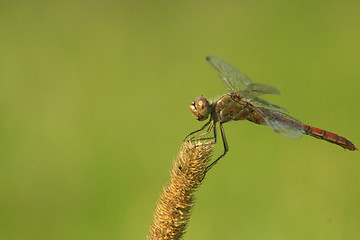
199 136
202 128
226 148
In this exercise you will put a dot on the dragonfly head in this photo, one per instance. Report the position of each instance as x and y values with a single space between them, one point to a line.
200 107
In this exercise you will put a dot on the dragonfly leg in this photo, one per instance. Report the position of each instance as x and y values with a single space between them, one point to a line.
202 128
212 126
199 137
226 149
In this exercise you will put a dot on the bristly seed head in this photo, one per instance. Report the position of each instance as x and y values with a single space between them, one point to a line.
200 107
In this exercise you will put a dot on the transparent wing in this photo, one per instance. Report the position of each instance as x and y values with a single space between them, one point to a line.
236 81
259 102
259 89
232 78
282 123
239 84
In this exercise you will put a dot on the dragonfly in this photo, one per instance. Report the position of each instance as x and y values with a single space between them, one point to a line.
243 102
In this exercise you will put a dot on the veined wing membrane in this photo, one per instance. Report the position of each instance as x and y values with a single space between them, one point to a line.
259 102
258 89
232 78
282 123
236 81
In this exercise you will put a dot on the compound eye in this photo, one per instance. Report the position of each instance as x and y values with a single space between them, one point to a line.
200 107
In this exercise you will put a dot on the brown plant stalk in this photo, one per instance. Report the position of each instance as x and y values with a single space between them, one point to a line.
173 209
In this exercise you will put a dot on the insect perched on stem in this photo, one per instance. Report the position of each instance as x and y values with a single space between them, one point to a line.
243 103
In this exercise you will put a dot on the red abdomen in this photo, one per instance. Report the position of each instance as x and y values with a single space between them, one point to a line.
328 136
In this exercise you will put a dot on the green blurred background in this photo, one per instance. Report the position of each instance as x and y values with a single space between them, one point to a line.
95 103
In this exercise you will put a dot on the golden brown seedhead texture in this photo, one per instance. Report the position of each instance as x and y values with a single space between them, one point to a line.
173 210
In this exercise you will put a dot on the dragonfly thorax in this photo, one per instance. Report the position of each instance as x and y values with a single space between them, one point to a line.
200 107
